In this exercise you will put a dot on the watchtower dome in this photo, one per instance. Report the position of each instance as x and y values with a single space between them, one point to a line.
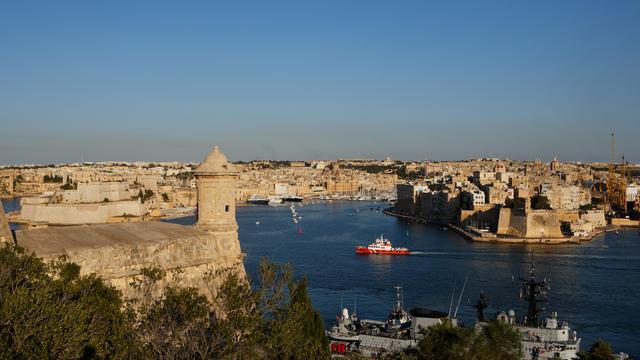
216 181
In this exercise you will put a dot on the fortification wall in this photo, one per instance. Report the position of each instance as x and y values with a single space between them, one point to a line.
194 256
5 231
512 222
543 223
568 215
534 224
73 214
594 216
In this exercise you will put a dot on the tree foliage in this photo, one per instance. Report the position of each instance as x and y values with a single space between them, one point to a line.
540 202
49 310
494 340
600 350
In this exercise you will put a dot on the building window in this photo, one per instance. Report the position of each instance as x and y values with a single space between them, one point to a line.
226 208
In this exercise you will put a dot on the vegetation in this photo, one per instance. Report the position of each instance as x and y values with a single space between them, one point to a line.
408 175
494 341
69 186
586 207
51 311
600 350
372 168
186 175
145 195
539 202
516 203
165 197
52 179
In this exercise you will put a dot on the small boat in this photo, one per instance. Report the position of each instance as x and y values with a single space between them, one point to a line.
381 246
291 198
257 222
257 200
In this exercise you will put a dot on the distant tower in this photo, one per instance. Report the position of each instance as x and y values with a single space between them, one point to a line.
555 165
216 183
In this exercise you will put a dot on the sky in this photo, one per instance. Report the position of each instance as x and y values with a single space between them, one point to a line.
414 80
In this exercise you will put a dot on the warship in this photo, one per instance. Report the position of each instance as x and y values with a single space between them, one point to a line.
541 339
400 331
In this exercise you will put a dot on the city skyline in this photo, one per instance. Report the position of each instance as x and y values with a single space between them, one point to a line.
286 81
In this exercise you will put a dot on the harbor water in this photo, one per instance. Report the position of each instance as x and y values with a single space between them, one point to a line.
595 286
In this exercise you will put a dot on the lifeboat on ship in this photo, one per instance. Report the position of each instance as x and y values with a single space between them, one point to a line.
381 246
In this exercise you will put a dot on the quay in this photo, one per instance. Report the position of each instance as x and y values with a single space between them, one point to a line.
477 235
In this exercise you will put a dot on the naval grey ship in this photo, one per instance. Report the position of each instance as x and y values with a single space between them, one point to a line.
541 339
400 331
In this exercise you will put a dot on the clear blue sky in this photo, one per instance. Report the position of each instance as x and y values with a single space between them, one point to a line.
136 80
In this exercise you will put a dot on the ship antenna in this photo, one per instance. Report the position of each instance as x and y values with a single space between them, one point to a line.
534 293
355 300
461 293
398 296
453 292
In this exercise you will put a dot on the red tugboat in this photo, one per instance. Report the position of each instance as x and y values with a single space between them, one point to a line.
381 246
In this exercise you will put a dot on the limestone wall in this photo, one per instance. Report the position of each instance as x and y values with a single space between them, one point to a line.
594 216
73 214
5 231
120 263
624 222
535 224
97 191
543 223
185 196
511 222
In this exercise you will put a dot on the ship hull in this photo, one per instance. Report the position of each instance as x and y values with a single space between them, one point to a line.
366 251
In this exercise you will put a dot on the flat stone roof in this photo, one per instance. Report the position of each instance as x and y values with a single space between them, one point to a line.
57 240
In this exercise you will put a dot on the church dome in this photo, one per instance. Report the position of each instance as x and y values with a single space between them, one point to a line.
215 163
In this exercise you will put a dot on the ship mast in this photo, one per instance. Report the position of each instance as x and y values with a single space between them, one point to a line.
480 306
535 292
398 297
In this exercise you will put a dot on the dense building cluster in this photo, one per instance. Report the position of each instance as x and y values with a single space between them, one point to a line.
511 198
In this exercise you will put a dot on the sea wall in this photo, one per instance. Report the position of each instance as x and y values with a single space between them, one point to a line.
624 222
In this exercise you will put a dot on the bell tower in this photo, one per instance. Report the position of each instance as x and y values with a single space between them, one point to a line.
216 182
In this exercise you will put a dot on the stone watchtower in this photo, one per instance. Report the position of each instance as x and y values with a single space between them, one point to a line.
216 182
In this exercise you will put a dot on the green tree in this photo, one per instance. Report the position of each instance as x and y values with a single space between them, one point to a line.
297 332
600 350
493 341
498 340
50 311
539 202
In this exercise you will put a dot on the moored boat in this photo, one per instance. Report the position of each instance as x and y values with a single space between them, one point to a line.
381 246
257 200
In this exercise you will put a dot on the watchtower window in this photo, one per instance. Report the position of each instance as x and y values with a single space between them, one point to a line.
226 208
